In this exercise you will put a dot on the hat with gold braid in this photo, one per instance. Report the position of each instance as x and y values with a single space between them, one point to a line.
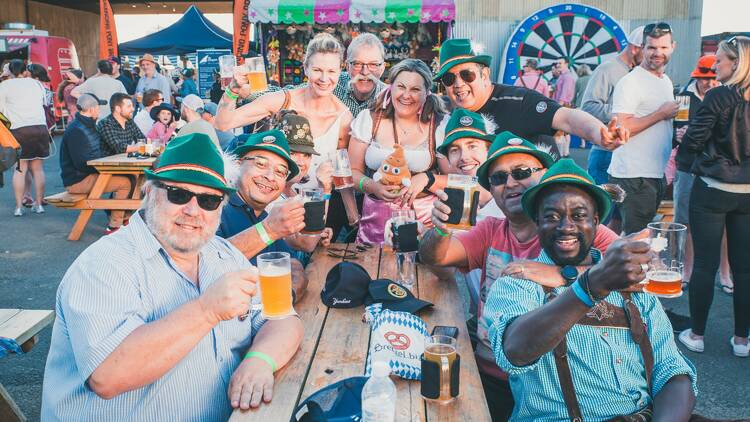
460 50
466 124
193 159
508 143
567 172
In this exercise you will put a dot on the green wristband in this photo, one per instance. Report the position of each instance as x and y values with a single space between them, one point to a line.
264 357
263 234
361 184
232 96
440 233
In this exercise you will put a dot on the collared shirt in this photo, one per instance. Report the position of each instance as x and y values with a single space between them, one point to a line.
115 138
158 81
565 88
238 216
344 92
120 283
607 366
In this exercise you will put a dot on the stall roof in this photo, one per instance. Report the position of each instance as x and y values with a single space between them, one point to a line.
343 11
192 32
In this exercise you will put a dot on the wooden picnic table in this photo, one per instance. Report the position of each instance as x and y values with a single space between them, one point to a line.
336 343
22 326
114 165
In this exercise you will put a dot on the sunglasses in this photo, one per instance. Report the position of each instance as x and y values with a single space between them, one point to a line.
705 69
656 29
179 196
500 178
732 42
467 75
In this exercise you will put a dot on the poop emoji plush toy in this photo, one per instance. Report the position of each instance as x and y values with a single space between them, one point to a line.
394 173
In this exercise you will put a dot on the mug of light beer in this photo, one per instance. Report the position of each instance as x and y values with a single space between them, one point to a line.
275 287
664 274
683 112
256 74
440 370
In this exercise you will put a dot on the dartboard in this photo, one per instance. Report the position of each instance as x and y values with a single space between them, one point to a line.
583 34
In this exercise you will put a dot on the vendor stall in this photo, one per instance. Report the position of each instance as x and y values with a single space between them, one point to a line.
408 29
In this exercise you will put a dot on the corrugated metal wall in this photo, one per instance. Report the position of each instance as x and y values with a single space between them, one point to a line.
492 22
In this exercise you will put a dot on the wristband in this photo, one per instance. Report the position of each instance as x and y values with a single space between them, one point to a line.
262 356
583 279
361 182
327 196
263 234
440 233
581 294
430 181
232 96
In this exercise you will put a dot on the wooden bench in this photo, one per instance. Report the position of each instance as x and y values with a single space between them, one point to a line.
66 199
665 212
22 326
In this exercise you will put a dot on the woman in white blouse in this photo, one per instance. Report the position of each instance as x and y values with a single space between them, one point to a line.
407 114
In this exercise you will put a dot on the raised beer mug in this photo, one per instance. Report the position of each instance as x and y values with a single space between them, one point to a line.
664 274
463 200
275 276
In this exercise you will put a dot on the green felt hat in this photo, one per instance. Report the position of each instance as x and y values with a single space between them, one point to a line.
272 141
460 50
193 159
508 143
567 172
466 124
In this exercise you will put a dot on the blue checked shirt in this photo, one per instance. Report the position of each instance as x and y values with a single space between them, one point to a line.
607 367
122 282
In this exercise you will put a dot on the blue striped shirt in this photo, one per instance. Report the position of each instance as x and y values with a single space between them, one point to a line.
119 283
608 371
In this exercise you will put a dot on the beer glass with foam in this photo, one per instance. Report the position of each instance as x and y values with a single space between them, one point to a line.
442 351
463 200
664 274
683 113
275 276
344 184
256 74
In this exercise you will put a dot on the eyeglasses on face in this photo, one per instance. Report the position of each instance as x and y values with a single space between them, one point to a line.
263 164
656 29
500 178
372 67
467 75
179 196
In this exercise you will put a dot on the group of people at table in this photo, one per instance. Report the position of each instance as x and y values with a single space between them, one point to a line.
147 321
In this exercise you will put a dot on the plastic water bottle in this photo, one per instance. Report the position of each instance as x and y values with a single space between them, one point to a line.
379 395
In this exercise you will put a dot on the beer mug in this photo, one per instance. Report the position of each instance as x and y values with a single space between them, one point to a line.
683 113
226 69
315 211
403 233
463 200
664 274
275 287
342 169
256 74
440 370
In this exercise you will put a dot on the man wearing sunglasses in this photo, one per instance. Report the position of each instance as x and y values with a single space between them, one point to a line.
513 165
147 318
643 101
265 167
465 73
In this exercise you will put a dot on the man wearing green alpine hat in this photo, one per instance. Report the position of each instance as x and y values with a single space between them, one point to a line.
588 350
265 167
513 165
146 318
465 73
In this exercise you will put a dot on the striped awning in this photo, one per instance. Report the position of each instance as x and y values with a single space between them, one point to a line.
356 11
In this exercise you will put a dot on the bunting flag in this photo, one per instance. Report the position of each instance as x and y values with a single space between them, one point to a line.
107 31
342 11
241 36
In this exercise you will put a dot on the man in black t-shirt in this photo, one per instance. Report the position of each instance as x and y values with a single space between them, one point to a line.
465 73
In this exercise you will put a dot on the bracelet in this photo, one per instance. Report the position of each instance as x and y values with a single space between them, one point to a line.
440 233
581 294
583 279
232 96
263 234
262 356
327 196
361 182
430 181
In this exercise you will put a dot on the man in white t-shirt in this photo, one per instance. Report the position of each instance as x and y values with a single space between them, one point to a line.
102 85
643 101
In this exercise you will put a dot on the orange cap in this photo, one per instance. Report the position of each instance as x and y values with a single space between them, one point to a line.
705 67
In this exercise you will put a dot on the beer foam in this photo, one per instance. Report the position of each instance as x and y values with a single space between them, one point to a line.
273 271
664 276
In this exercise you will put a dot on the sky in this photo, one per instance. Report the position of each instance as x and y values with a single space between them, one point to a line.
718 16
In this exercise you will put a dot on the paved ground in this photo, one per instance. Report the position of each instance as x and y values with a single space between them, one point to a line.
34 255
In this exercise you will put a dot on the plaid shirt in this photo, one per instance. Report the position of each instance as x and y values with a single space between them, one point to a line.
115 138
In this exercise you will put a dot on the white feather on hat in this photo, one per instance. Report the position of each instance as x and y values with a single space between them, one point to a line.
476 47
548 149
231 169
489 124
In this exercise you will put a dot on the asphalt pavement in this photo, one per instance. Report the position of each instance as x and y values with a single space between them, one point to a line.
35 253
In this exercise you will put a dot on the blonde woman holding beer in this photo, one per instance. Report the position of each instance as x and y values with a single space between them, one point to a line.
719 136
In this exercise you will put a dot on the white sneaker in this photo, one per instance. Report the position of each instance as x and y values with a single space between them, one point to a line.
18 212
695 345
39 209
739 350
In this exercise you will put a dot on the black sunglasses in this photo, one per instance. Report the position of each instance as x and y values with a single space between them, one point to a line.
732 42
467 75
179 196
656 29
500 178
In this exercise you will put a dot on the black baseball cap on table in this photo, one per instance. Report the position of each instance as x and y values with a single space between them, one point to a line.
346 286
394 296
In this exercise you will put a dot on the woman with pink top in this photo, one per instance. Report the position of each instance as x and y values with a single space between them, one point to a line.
165 122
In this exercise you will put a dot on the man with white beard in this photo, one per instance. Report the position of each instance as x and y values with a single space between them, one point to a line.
147 318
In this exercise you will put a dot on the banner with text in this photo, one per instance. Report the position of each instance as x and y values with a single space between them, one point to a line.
107 31
241 38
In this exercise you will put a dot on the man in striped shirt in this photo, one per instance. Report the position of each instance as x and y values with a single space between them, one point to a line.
581 351
147 323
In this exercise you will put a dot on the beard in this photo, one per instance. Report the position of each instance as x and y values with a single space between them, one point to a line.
164 231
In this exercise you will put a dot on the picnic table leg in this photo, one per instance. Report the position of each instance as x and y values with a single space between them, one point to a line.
83 218
9 410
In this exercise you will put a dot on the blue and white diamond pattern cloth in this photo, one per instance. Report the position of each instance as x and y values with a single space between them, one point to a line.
398 338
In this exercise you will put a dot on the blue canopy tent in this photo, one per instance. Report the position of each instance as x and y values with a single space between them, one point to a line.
192 32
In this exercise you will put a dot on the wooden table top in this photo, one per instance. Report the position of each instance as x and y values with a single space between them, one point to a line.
122 160
336 342
22 324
